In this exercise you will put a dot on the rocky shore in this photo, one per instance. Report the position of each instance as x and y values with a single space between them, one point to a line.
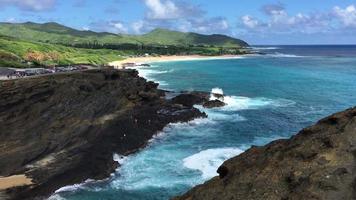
317 163
63 129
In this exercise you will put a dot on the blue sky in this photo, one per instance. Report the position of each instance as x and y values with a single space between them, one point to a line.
256 21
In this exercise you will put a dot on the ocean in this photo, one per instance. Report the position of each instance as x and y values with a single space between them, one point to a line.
269 96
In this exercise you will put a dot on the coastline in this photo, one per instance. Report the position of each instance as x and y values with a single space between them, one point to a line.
137 122
153 59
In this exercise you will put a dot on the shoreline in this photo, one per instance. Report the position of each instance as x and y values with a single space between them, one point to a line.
155 59
139 124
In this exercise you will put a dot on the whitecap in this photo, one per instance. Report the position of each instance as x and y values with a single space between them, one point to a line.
265 48
119 158
208 161
147 74
56 197
217 91
236 103
282 55
89 185
70 188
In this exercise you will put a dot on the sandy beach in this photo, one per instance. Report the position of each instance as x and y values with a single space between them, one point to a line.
14 181
151 59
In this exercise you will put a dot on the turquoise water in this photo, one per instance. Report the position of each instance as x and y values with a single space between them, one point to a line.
269 97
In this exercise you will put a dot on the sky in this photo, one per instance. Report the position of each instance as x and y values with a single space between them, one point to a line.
255 21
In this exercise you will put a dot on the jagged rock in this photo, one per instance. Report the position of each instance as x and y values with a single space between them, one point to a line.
214 104
222 171
317 163
63 129
191 98
218 96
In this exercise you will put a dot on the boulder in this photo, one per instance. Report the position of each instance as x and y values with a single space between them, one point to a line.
191 98
214 104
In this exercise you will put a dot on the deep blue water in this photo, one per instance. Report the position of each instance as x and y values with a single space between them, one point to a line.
270 96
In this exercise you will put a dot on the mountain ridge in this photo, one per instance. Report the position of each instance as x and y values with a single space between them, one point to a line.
57 33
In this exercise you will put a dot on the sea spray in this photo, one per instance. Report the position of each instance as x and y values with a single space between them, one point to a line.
236 103
208 161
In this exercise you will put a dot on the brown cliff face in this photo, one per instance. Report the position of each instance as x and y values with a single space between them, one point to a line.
317 163
63 129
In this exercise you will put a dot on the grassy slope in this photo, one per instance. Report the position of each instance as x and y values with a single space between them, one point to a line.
17 40
163 36
56 33
13 52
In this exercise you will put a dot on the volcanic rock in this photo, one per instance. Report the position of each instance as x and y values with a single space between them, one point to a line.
191 98
317 163
214 104
64 128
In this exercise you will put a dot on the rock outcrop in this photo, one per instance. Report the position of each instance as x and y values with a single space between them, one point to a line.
199 98
214 104
62 129
317 163
191 98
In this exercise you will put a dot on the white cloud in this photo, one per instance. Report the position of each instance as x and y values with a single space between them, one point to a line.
280 21
224 24
206 26
137 27
29 5
160 9
347 16
120 27
249 21
169 10
11 20
108 26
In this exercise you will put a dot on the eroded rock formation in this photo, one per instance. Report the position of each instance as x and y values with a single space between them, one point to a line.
64 128
317 163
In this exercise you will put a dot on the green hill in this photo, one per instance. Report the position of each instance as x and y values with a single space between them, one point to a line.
54 44
16 53
56 33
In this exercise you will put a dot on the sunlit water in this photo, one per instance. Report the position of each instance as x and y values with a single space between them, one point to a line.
269 97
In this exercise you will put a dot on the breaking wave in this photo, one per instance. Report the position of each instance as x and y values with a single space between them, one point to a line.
235 103
208 161
282 55
265 48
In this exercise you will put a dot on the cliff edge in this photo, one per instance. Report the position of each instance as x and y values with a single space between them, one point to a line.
63 129
317 163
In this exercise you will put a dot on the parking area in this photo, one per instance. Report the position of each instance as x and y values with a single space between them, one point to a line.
13 73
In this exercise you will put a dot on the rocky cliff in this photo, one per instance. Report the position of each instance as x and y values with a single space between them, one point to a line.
62 129
317 163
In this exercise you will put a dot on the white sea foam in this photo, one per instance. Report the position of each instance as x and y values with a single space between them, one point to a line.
208 161
282 55
56 197
89 185
147 73
235 103
70 188
119 158
217 91
265 48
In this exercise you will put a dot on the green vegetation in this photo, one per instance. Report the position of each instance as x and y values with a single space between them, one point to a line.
54 44
56 33
16 53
